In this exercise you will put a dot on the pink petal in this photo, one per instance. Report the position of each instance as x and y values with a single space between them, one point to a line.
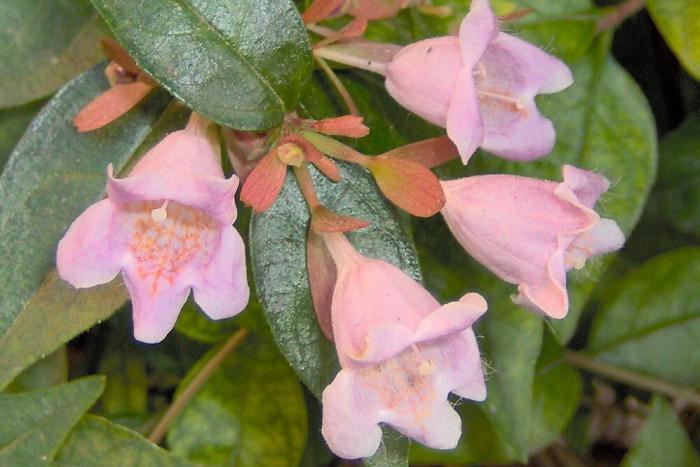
547 294
604 237
221 290
85 255
464 124
468 363
451 318
350 425
423 75
587 186
476 32
154 311
439 428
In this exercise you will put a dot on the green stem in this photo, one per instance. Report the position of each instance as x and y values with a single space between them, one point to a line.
342 90
334 148
584 362
195 385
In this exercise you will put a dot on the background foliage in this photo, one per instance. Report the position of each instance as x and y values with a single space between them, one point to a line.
615 382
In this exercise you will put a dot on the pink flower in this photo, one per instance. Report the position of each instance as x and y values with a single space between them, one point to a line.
167 228
401 354
481 87
530 232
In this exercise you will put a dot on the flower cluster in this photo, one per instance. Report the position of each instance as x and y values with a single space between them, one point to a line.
167 226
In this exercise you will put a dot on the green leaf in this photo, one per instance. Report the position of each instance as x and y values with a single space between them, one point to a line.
679 177
391 452
97 441
49 371
34 424
662 441
241 63
557 392
13 123
250 412
679 23
52 175
43 45
653 319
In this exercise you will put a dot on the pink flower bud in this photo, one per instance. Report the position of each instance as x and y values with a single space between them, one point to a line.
481 87
401 354
167 228
530 232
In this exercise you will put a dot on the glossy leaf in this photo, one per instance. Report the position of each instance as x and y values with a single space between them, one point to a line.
97 441
241 64
653 319
44 44
679 23
52 175
249 413
662 441
13 123
34 424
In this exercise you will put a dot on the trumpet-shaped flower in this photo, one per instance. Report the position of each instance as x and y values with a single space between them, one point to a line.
531 232
481 87
168 228
401 354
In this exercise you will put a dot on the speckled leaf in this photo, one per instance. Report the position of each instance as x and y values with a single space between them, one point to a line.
662 441
239 63
679 23
97 441
43 44
13 123
250 413
33 424
52 175
652 320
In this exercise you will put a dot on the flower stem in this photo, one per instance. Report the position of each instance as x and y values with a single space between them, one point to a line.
623 11
631 378
306 186
363 63
342 90
195 385
335 149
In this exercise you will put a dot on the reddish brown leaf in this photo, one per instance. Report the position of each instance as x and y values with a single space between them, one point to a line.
264 183
347 125
320 10
322 278
110 105
410 186
429 153
323 220
316 157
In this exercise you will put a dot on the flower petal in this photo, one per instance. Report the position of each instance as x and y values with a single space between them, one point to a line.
85 255
451 317
350 418
464 123
476 32
437 426
468 363
221 290
154 311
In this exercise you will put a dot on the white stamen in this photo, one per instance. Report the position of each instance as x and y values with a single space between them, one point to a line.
161 213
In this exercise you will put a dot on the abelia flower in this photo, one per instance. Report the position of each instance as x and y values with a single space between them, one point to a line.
531 232
401 353
481 87
167 228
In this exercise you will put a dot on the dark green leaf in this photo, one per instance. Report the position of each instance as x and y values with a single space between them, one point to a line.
250 412
662 441
653 319
34 424
43 45
13 122
557 393
52 175
679 23
49 371
241 63
97 441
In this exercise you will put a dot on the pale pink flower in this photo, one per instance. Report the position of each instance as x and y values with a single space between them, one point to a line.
401 353
481 87
168 228
530 232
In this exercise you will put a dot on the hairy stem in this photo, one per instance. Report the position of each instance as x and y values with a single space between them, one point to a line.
623 11
363 63
631 378
195 385
342 90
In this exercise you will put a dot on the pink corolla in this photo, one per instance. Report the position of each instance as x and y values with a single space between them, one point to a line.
530 232
401 353
481 87
168 228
